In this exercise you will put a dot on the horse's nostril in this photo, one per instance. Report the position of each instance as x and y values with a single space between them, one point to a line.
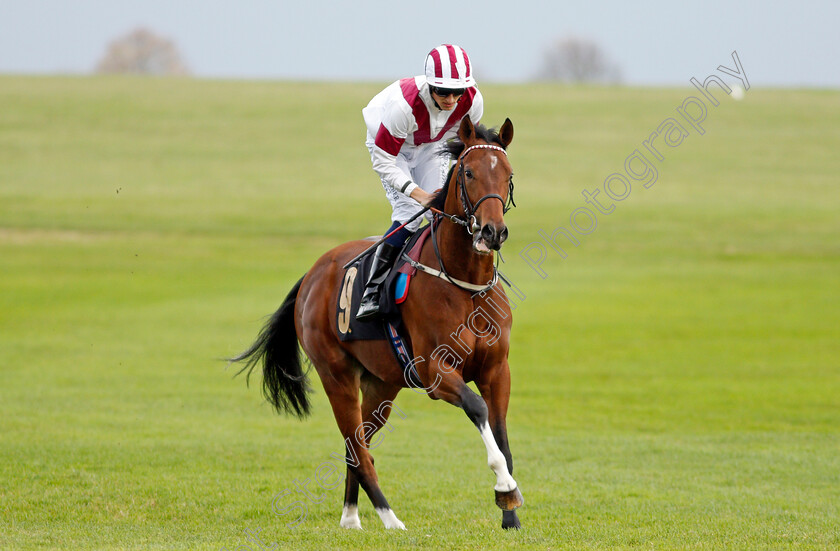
488 232
503 235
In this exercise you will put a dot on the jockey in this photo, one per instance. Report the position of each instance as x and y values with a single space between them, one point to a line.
407 124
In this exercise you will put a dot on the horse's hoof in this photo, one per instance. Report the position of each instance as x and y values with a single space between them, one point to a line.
508 501
510 521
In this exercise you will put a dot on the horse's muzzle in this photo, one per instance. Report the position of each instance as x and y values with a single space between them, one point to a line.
490 238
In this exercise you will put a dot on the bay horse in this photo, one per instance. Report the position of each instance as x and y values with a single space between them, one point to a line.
457 330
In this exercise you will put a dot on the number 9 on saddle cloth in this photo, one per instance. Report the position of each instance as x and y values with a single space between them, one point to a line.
395 290
388 324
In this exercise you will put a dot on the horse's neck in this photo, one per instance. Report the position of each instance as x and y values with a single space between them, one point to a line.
456 251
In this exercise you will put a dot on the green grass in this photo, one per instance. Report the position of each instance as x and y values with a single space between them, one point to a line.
675 378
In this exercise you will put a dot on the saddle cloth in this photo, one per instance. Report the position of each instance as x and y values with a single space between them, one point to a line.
394 292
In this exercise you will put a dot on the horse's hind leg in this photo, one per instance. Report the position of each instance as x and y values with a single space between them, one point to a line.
342 387
377 401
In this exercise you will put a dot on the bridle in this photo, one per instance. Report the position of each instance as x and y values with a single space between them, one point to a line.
469 220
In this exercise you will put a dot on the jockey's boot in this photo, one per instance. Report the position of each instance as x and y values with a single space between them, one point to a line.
369 305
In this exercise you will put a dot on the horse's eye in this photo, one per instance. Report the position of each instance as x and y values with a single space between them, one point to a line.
468 173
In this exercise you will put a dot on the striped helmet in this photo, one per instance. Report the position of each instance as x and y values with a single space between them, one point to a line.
448 66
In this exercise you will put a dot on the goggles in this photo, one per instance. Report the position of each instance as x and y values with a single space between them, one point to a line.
446 92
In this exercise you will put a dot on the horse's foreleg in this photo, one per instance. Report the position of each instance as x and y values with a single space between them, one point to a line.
454 390
477 411
377 402
496 394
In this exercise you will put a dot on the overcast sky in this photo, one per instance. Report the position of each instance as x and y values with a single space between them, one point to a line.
780 43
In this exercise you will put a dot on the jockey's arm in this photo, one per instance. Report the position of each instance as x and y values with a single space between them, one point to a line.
385 164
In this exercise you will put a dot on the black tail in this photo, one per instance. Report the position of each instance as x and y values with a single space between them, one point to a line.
285 384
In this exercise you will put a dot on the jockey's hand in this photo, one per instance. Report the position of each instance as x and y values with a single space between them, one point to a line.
421 196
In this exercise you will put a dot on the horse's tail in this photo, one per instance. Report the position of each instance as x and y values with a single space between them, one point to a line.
285 385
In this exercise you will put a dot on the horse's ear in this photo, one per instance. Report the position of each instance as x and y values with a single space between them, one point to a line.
467 130
506 133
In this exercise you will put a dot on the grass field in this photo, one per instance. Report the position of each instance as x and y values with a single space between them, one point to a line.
676 382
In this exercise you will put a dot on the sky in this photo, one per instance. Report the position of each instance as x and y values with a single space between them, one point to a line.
779 43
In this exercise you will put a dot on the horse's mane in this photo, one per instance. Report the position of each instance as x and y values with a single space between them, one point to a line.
453 150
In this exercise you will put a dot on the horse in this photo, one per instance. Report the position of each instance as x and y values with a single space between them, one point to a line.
457 317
